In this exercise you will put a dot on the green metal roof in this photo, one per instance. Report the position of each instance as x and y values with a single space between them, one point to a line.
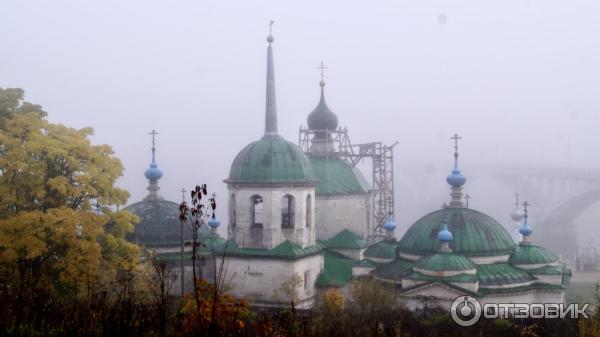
286 250
210 243
271 160
547 270
366 263
337 270
384 249
444 262
394 270
531 254
464 278
501 274
475 234
346 239
336 177
159 223
534 286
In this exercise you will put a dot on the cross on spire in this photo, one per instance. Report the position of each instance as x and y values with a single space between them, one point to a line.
517 199
525 204
153 133
322 67
456 137
183 192
467 198
271 27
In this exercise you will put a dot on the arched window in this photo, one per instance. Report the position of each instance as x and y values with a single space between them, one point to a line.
232 211
308 210
258 211
287 211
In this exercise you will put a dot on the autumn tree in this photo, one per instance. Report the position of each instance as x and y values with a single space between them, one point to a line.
60 230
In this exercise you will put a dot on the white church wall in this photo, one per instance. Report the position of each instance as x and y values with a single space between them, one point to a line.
336 213
260 280
271 234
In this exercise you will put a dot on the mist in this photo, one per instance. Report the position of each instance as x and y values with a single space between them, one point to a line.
518 80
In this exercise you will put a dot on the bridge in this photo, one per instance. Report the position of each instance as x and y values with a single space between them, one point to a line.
560 195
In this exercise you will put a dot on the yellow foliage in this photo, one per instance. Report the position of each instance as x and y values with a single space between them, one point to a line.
58 226
333 301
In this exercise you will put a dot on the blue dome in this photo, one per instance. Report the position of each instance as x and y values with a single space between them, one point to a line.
153 172
389 225
525 230
214 222
456 179
445 235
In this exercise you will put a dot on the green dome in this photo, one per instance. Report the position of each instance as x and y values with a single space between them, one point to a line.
271 159
336 177
159 223
530 254
384 249
475 234
445 262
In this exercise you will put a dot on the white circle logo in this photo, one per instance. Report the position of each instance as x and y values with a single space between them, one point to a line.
465 310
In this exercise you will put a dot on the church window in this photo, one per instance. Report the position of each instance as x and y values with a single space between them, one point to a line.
258 211
287 211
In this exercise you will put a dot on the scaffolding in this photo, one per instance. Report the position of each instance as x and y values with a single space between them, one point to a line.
382 163
587 260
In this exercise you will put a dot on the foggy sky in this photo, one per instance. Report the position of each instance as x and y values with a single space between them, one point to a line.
517 79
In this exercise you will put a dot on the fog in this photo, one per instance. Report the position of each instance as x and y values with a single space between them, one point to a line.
518 80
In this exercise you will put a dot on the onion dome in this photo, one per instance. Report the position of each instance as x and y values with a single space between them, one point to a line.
322 118
525 230
153 172
517 214
532 255
474 234
390 225
271 159
456 179
213 222
445 235
444 262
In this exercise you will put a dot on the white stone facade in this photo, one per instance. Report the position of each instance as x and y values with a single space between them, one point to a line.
339 212
300 230
260 279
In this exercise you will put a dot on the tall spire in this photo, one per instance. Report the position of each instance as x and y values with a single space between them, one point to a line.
153 173
271 107
456 179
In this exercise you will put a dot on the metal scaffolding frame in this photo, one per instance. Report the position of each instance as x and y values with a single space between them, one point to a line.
382 160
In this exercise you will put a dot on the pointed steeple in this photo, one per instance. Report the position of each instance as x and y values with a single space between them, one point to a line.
271 106
153 173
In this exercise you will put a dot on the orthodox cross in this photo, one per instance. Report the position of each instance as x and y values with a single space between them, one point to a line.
271 27
322 67
525 204
183 192
456 137
153 133
517 199
467 197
